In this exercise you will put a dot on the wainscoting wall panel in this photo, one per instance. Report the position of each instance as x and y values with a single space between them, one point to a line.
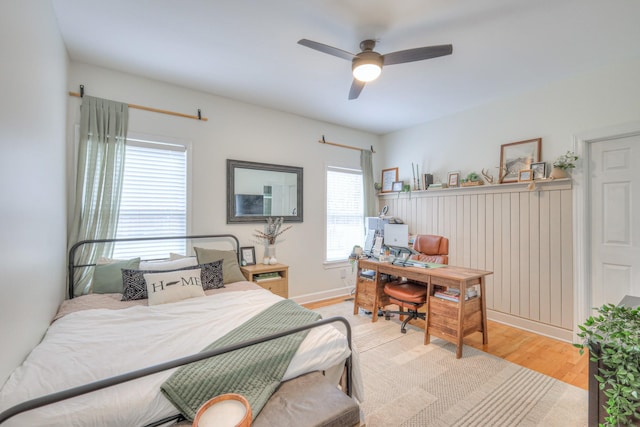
524 236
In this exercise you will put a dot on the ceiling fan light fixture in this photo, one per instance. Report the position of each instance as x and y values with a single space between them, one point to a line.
367 66
367 72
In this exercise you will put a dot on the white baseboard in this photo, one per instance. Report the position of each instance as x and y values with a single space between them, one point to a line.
531 326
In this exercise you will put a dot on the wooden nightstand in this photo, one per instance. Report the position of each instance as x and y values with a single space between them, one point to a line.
278 285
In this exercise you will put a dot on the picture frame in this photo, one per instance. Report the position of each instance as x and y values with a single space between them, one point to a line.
427 180
453 179
248 255
517 156
389 176
525 175
539 170
397 186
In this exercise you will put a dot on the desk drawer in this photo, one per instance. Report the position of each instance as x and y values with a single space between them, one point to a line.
366 287
450 309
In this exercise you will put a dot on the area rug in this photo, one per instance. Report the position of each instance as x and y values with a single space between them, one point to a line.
409 384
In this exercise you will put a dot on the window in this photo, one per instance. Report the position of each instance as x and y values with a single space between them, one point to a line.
154 199
345 209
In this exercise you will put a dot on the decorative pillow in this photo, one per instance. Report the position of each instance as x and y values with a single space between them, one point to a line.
135 286
169 265
172 286
107 278
230 268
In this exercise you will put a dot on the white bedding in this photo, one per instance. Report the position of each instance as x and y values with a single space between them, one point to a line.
90 345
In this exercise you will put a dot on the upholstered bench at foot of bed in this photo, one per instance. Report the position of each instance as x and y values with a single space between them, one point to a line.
307 401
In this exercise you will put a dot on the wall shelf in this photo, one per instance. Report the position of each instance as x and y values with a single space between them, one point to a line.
511 187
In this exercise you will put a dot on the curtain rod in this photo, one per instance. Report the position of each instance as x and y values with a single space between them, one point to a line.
154 110
322 141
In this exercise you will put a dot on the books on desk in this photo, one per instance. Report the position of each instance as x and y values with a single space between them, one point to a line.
454 294
368 274
416 263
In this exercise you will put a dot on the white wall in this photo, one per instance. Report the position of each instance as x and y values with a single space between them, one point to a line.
32 171
238 131
470 141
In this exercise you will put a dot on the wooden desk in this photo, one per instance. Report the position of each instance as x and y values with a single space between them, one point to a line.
448 320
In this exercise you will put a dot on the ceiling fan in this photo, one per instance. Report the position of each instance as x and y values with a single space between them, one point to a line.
367 65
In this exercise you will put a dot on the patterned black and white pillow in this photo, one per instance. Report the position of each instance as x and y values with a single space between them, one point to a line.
211 275
135 287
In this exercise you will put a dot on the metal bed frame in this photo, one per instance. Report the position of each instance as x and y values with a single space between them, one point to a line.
122 378
72 252
98 385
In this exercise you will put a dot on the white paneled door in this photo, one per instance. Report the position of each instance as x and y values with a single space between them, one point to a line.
615 228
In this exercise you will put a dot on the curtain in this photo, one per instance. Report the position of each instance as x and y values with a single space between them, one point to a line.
368 190
101 152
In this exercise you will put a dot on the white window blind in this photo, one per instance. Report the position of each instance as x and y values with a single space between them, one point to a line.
344 212
154 199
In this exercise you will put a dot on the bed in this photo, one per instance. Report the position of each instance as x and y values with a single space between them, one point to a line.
97 336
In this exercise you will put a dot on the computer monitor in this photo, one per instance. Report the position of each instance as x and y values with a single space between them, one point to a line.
396 236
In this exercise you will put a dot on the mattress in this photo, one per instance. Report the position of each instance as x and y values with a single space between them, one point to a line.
96 343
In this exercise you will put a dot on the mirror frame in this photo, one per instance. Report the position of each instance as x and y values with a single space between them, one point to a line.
232 165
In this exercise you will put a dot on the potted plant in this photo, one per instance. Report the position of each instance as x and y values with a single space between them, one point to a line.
472 179
613 341
562 164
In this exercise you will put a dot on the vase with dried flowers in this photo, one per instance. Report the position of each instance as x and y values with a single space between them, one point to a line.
272 230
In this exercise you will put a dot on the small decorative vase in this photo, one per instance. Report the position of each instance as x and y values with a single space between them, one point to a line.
270 255
557 173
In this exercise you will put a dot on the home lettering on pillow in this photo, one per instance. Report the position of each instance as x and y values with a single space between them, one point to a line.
184 281
173 286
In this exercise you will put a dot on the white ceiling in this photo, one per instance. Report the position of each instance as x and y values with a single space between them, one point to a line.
247 49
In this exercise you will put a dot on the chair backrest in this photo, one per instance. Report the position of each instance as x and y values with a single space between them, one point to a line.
432 248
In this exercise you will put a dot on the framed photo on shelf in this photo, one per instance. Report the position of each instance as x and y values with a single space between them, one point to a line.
525 175
248 255
389 176
453 179
539 170
517 156
397 186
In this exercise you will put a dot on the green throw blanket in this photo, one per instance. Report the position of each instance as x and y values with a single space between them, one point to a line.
254 372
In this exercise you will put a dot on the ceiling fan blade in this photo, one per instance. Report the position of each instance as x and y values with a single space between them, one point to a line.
326 49
356 88
417 54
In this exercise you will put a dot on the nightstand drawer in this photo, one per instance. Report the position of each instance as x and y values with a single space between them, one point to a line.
276 286
279 284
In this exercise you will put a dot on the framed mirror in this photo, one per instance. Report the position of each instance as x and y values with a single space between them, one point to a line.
256 191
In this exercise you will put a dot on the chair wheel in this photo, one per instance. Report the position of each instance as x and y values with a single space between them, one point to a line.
387 316
403 330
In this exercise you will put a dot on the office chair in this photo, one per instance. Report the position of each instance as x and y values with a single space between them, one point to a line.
412 295
432 248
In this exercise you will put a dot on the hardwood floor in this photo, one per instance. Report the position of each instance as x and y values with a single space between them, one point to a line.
548 356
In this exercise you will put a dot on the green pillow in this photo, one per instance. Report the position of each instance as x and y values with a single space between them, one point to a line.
230 268
107 278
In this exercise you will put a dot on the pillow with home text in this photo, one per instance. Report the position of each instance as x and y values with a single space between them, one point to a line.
135 287
173 286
